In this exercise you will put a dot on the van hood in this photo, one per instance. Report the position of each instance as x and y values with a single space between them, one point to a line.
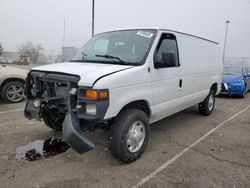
88 72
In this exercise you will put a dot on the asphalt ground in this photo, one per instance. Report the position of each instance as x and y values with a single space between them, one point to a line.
185 150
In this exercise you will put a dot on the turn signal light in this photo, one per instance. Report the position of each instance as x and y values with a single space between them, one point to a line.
30 81
103 95
91 94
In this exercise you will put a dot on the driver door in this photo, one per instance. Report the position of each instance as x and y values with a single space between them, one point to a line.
166 81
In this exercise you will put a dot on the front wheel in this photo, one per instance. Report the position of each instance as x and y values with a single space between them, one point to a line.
243 93
207 106
130 135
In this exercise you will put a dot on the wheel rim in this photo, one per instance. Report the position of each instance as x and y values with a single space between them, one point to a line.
211 103
15 93
136 136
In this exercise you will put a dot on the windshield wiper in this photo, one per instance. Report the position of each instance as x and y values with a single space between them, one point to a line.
84 58
113 57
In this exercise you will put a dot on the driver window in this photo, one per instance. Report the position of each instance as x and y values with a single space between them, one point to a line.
167 44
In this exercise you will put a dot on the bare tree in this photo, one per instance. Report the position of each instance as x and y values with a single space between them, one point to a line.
38 50
31 51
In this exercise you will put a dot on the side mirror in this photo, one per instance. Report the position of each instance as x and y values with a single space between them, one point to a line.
168 60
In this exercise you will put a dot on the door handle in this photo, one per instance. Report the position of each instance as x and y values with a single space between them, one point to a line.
180 83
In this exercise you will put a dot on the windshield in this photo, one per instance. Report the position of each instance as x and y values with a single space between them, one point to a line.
118 47
232 70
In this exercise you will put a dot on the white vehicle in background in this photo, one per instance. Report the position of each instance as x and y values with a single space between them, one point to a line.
126 80
12 82
4 60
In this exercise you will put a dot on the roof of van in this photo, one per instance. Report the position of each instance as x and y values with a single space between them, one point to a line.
164 30
188 35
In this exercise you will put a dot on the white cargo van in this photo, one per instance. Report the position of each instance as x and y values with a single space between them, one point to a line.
125 80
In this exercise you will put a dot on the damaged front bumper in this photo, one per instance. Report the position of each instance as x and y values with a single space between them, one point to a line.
232 88
73 135
71 130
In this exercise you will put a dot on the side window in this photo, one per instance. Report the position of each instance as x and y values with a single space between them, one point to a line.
244 71
167 52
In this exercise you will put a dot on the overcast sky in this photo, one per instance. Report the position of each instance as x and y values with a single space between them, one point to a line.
41 21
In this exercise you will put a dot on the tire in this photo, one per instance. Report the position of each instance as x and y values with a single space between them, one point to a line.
207 106
12 92
123 145
243 94
52 121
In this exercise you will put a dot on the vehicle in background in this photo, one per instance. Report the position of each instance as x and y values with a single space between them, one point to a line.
4 60
125 80
12 82
236 80
23 60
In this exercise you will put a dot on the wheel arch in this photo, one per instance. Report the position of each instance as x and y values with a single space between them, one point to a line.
214 87
142 105
12 80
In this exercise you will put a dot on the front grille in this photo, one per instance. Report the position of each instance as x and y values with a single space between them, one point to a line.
47 85
60 90
50 89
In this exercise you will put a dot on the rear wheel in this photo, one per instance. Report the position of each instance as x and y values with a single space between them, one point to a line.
130 135
12 92
207 106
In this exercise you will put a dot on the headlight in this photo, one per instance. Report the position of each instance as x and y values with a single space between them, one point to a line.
36 103
226 86
73 91
91 109
33 91
29 81
30 89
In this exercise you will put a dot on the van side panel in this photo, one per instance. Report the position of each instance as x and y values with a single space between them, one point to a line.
200 67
